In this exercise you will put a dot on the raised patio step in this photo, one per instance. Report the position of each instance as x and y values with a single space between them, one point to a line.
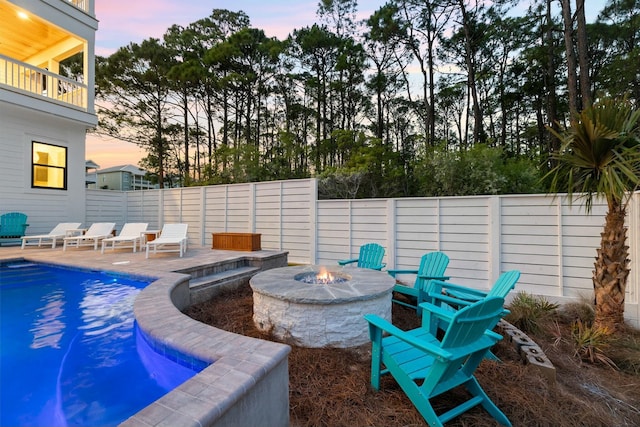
206 287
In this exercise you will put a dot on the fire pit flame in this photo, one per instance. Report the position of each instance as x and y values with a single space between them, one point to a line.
321 277
324 277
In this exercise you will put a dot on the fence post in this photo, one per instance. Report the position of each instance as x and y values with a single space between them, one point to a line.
203 215
495 238
313 219
391 233
252 207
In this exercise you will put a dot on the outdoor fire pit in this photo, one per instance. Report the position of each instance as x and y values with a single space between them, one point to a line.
320 306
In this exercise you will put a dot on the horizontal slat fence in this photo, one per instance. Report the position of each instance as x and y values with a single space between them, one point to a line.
552 243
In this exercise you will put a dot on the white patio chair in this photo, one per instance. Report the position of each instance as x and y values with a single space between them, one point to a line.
58 232
173 238
130 236
93 236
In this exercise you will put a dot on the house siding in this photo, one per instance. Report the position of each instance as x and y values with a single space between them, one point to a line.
44 207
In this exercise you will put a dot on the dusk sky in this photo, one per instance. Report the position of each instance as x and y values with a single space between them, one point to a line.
124 21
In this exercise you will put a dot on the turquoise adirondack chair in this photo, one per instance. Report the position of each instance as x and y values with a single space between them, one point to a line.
454 297
13 226
371 255
426 367
464 295
432 266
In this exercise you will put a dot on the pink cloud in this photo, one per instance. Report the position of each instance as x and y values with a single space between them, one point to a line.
125 21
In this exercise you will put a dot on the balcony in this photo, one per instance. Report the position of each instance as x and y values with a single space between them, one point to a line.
80 4
28 79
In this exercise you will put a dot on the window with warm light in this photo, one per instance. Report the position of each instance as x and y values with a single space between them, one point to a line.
49 166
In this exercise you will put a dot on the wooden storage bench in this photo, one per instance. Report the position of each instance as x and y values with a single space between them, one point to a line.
236 241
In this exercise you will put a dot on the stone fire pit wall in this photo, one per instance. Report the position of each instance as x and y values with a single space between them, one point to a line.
320 315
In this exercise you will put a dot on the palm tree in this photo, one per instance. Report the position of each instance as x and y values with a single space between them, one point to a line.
600 158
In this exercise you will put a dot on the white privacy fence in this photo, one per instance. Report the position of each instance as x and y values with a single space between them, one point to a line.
552 244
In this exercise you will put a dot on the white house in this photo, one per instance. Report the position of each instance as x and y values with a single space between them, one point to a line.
44 116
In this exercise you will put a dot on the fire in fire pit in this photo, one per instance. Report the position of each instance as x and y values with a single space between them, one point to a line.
323 277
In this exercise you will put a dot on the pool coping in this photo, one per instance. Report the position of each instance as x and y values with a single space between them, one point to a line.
245 384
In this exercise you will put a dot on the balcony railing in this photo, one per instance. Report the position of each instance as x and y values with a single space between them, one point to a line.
40 82
80 4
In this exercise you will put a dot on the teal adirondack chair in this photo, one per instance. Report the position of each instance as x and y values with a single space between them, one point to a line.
13 226
426 367
454 297
371 255
464 295
432 266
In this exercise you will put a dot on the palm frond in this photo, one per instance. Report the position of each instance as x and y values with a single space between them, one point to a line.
599 153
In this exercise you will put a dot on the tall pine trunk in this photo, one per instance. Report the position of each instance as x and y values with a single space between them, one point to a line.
572 77
583 59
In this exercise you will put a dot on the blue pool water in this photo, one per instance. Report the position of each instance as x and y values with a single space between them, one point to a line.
70 351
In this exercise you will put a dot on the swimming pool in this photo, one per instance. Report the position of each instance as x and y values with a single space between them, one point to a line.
71 353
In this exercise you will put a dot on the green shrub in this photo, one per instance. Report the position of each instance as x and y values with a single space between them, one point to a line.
530 313
591 343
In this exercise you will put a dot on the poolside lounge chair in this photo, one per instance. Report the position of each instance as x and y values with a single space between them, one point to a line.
93 236
370 256
173 238
12 227
130 236
432 266
426 367
59 232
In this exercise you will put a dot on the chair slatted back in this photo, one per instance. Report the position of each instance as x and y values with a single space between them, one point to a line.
133 229
461 339
61 228
13 224
100 229
505 283
371 255
174 231
432 264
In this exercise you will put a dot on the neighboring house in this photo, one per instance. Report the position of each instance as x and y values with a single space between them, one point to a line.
44 116
123 178
90 168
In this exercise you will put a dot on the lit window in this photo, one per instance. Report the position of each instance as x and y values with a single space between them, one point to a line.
49 166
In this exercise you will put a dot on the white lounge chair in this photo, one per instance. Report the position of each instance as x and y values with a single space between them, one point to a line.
58 232
173 238
130 236
93 236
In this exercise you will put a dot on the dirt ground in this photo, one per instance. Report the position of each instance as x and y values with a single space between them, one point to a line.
330 387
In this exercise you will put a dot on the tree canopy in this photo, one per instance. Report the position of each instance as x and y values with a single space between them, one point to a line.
420 98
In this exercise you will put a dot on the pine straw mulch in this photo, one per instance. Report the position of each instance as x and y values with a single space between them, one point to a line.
330 387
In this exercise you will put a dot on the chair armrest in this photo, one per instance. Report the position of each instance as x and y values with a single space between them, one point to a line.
442 278
494 335
462 292
448 300
379 267
436 310
393 273
406 290
382 324
347 261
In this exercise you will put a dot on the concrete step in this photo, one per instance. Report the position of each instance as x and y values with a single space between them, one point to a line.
206 287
